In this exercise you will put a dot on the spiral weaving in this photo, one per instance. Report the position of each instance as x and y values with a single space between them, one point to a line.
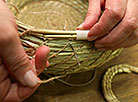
38 21
52 23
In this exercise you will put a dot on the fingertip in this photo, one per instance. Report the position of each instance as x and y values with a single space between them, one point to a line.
43 49
42 53
80 27
41 58
30 78
47 64
92 38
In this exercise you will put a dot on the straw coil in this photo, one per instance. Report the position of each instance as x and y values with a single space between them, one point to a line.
53 23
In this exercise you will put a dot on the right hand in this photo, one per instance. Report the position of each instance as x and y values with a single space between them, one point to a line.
116 28
14 63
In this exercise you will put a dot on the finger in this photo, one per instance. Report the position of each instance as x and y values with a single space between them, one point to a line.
25 92
127 26
3 71
12 51
38 70
18 93
118 35
4 88
4 81
19 64
131 41
47 64
94 11
33 64
41 58
114 12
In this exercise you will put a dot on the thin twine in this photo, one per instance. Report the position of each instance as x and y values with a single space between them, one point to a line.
50 79
80 85
68 83
58 51
14 7
74 52
26 32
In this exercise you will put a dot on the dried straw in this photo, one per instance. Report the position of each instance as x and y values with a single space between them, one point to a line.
67 55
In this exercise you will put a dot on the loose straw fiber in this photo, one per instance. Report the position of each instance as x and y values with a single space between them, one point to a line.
38 22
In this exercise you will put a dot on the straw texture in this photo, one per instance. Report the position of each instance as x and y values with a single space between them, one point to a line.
53 23
108 77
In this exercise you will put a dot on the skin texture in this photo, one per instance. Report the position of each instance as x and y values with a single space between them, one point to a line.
14 63
117 27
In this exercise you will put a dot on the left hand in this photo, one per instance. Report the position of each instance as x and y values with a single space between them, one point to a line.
117 27
15 91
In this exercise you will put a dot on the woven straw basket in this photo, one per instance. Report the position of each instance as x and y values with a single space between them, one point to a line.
53 23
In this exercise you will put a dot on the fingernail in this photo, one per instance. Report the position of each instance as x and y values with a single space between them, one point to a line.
30 78
47 64
80 27
99 45
33 64
92 38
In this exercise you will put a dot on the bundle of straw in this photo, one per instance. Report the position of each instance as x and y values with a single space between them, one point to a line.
53 23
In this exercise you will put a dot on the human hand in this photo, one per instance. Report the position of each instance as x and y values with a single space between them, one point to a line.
14 63
117 27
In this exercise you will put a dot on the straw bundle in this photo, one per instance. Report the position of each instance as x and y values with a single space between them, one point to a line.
53 23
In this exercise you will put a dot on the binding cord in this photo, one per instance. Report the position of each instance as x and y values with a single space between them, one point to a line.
58 78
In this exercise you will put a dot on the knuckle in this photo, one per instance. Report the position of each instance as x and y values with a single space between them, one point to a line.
131 23
135 34
18 63
8 29
109 42
90 15
117 14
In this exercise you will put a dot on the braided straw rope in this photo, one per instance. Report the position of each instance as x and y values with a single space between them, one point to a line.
110 74
58 20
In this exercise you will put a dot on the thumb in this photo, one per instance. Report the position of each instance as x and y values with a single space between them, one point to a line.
12 51
94 11
18 62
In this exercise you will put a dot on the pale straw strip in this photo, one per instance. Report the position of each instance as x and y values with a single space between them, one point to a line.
50 79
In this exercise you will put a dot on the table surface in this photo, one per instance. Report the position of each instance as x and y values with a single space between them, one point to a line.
125 86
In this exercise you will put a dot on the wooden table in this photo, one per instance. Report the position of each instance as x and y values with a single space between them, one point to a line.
125 86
